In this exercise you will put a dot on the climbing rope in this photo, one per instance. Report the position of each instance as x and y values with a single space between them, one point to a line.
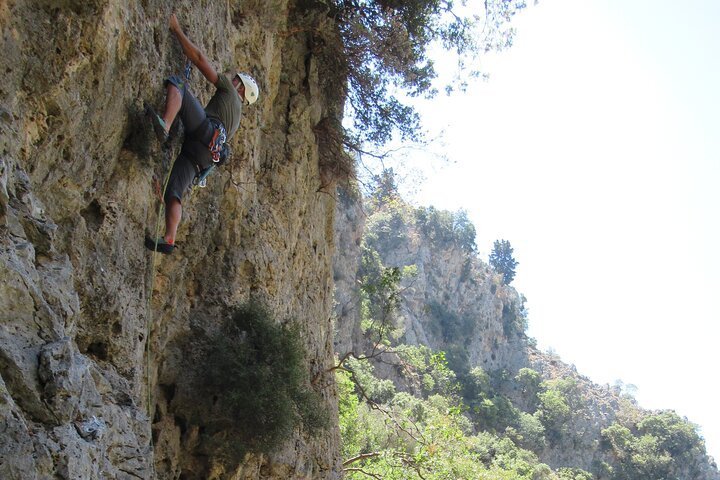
148 317
148 321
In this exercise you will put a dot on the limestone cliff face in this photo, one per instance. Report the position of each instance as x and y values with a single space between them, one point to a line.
92 382
450 286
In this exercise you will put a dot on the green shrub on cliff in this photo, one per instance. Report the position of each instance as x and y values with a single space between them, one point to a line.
567 473
529 382
444 228
379 295
256 373
558 403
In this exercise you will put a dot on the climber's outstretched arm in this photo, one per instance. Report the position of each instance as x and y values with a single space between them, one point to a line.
192 52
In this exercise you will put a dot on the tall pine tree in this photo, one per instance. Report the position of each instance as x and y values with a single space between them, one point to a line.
501 259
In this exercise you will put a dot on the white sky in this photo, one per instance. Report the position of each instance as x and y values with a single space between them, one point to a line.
595 149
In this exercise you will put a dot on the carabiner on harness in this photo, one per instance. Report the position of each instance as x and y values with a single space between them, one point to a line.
200 179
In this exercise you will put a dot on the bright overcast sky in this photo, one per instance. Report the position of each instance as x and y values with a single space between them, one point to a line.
595 149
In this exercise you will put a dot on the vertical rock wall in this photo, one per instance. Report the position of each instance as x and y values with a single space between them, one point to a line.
446 276
80 395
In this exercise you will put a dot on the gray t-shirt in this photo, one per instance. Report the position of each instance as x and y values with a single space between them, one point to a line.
225 105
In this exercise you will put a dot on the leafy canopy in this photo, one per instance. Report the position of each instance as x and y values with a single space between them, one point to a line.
386 45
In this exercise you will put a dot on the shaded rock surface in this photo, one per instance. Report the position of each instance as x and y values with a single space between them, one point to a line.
91 375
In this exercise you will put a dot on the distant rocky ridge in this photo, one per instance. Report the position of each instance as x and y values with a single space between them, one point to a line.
456 303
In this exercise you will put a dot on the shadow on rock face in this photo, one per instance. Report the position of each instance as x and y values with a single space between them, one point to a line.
140 137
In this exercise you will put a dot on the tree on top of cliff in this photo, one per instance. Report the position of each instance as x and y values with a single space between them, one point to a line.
385 189
501 259
386 45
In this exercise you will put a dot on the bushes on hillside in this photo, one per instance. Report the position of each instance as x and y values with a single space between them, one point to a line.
444 228
411 438
659 446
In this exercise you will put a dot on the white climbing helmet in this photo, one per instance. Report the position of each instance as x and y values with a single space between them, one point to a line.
251 89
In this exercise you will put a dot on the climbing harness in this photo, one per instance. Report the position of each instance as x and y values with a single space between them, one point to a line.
219 137
219 150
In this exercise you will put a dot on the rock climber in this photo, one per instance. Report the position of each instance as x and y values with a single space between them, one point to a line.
206 130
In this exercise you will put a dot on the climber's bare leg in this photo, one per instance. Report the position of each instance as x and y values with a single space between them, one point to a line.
173 102
173 214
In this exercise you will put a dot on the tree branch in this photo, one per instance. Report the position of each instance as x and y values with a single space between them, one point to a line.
360 470
362 456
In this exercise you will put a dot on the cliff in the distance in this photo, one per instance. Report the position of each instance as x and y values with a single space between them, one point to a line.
76 199
452 301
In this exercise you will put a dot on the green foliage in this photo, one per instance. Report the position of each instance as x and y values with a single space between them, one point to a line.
405 437
362 429
514 319
554 411
384 190
478 381
529 381
495 412
501 259
618 437
379 295
411 438
257 373
658 446
502 456
444 228
528 432
458 360
675 435
377 390
385 45
566 473
560 400
348 412
387 227
431 369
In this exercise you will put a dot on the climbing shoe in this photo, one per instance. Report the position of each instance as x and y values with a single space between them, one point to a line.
158 124
162 245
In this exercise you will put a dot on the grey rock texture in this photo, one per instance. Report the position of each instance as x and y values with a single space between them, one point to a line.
91 373
348 231
447 276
